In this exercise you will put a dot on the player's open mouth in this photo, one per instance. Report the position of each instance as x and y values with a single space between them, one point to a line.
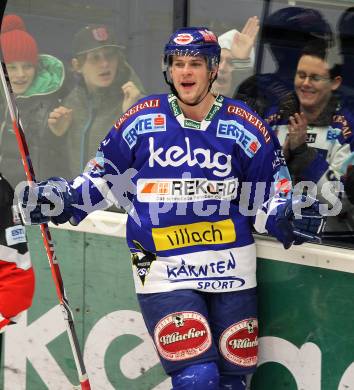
188 85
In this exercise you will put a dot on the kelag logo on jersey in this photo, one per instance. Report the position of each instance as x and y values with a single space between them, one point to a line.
150 123
175 156
235 131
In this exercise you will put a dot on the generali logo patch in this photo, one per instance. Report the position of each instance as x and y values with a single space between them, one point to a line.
152 103
182 335
239 343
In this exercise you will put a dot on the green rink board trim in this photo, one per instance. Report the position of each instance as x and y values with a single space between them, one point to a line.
299 304
306 305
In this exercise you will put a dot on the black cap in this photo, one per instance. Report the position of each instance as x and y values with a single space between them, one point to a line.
93 37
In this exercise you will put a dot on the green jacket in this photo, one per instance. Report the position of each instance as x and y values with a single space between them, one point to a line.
94 115
34 107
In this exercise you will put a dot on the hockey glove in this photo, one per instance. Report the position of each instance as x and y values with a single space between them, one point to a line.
49 200
297 224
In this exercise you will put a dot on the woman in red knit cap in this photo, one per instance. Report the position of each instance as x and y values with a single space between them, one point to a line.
37 81
20 53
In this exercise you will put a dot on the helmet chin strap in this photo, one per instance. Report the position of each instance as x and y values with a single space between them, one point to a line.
174 91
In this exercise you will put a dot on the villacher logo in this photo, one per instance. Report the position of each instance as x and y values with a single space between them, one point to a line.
239 343
182 335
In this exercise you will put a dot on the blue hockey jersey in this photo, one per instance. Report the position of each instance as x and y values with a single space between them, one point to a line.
192 191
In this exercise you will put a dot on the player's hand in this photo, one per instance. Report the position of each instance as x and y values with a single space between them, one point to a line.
297 130
298 220
131 94
59 120
244 41
49 200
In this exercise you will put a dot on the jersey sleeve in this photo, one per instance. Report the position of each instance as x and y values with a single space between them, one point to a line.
107 178
266 181
270 176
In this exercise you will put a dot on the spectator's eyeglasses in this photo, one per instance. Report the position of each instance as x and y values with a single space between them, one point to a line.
314 78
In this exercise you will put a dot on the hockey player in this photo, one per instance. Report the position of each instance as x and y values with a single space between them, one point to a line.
181 164
16 273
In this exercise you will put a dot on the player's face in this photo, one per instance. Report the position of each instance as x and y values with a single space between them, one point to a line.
223 83
100 67
191 77
21 75
313 84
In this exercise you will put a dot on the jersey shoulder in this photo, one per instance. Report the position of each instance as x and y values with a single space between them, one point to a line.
144 106
343 119
246 119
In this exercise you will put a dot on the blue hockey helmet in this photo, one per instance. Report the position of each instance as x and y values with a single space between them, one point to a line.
193 41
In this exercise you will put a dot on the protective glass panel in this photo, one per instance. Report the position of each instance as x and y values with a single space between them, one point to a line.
71 84
69 94
279 81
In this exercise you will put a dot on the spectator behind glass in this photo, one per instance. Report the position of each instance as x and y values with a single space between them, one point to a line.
237 57
316 133
36 80
286 31
345 28
107 87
